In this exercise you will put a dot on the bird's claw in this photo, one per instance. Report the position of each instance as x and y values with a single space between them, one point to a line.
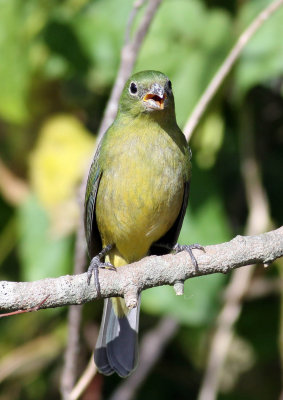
93 269
109 266
188 248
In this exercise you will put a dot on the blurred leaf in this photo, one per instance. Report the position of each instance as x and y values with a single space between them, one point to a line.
14 65
41 254
32 356
196 307
57 166
188 42
240 358
262 58
208 140
8 239
99 30
207 224
63 42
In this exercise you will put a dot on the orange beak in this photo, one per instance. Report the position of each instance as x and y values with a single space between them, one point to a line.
158 102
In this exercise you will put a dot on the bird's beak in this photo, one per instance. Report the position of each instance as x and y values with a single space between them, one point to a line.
155 98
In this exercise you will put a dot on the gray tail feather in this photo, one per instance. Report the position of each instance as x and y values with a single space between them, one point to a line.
117 344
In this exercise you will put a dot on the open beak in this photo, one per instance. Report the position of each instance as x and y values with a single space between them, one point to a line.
155 101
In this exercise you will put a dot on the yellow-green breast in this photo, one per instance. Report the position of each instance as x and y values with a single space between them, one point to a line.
142 185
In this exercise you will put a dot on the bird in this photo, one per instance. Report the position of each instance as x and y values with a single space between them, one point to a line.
136 198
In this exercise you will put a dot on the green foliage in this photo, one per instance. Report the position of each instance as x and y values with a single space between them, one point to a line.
41 254
262 59
14 50
183 51
198 306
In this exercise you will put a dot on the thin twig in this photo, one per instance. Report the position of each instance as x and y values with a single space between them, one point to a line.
72 351
34 355
35 308
69 370
227 66
136 6
12 188
84 380
128 58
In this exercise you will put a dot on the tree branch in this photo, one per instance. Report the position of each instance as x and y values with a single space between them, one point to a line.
152 271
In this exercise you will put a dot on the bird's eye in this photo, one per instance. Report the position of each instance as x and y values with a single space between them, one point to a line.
170 85
133 88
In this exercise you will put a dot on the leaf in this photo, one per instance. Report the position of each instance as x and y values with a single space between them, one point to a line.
57 166
41 254
98 29
188 42
14 68
262 58
196 307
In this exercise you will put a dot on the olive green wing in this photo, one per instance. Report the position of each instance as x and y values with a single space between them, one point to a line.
166 243
94 244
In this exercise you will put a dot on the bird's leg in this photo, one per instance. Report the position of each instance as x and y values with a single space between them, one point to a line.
183 247
98 262
188 248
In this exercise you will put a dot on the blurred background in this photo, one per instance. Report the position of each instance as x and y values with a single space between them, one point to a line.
58 63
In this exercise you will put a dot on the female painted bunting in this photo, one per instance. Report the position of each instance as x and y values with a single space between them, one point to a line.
136 199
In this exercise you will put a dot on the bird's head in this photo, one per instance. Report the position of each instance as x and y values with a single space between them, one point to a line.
147 92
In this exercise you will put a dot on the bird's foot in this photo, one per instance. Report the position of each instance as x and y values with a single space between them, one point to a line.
96 263
188 248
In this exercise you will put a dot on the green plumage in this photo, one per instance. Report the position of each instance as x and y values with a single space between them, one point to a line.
136 195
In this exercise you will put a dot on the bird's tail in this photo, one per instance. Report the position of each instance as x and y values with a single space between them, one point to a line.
117 344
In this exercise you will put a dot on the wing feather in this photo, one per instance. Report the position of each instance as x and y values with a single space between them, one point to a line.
94 244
